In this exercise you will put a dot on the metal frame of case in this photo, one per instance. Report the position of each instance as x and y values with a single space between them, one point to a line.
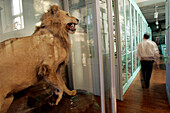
168 49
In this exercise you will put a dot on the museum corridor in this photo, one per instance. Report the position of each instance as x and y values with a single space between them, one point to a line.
152 100
83 56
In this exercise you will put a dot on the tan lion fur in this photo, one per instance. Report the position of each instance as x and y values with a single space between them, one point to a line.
40 56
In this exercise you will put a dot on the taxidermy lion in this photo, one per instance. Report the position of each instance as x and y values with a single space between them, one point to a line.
23 61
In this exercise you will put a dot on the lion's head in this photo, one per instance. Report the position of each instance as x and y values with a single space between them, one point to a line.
58 20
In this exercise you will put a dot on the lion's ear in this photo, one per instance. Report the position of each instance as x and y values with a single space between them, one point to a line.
54 9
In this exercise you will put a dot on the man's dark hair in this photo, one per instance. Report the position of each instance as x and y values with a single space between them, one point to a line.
146 36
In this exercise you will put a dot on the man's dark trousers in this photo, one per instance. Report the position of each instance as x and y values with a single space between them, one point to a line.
147 67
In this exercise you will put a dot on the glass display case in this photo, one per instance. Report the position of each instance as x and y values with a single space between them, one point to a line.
90 67
86 71
132 27
159 40
103 25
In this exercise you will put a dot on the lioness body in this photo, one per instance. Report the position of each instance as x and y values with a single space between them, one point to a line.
44 54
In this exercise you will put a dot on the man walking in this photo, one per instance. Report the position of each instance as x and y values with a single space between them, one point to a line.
147 53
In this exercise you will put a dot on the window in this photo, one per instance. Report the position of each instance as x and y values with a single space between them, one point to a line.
17 15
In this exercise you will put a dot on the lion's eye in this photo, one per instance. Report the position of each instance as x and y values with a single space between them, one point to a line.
67 14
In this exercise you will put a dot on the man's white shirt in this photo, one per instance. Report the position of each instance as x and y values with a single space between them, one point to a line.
147 50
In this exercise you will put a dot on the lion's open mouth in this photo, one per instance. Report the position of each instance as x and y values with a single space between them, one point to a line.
71 27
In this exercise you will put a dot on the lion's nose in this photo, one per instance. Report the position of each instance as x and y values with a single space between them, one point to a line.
77 20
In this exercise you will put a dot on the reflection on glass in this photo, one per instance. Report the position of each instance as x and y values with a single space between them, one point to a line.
123 69
129 64
137 36
41 6
16 7
127 5
84 48
114 34
137 33
19 17
133 28
18 23
134 37
106 53
134 61
128 27
85 70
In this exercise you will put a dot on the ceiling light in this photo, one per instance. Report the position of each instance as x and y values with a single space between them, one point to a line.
156 12
156 15
156 23
157 27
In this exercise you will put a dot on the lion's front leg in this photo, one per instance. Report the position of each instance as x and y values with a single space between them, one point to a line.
45 72
55 79
1 101
69 92
62 85
7 103
58 92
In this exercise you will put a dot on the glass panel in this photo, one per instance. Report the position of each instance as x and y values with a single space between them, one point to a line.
16 7
136 22
114 35
84 47
128 31
137 36
106 53
139 31
18 23
123 69
129 64
136 65
133 28
128 26
134 61
123 39
133 36
41 6
142 27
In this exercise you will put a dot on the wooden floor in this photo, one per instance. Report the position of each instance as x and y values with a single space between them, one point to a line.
152 100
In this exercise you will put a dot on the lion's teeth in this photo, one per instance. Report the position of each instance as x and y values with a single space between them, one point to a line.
72 25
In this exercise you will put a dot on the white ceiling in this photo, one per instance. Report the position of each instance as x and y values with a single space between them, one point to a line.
148 9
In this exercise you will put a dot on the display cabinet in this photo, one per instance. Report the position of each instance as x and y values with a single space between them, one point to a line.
102 23
91 62
132 27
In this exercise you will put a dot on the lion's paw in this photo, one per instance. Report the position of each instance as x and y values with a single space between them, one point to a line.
57 102
73 92
51 104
